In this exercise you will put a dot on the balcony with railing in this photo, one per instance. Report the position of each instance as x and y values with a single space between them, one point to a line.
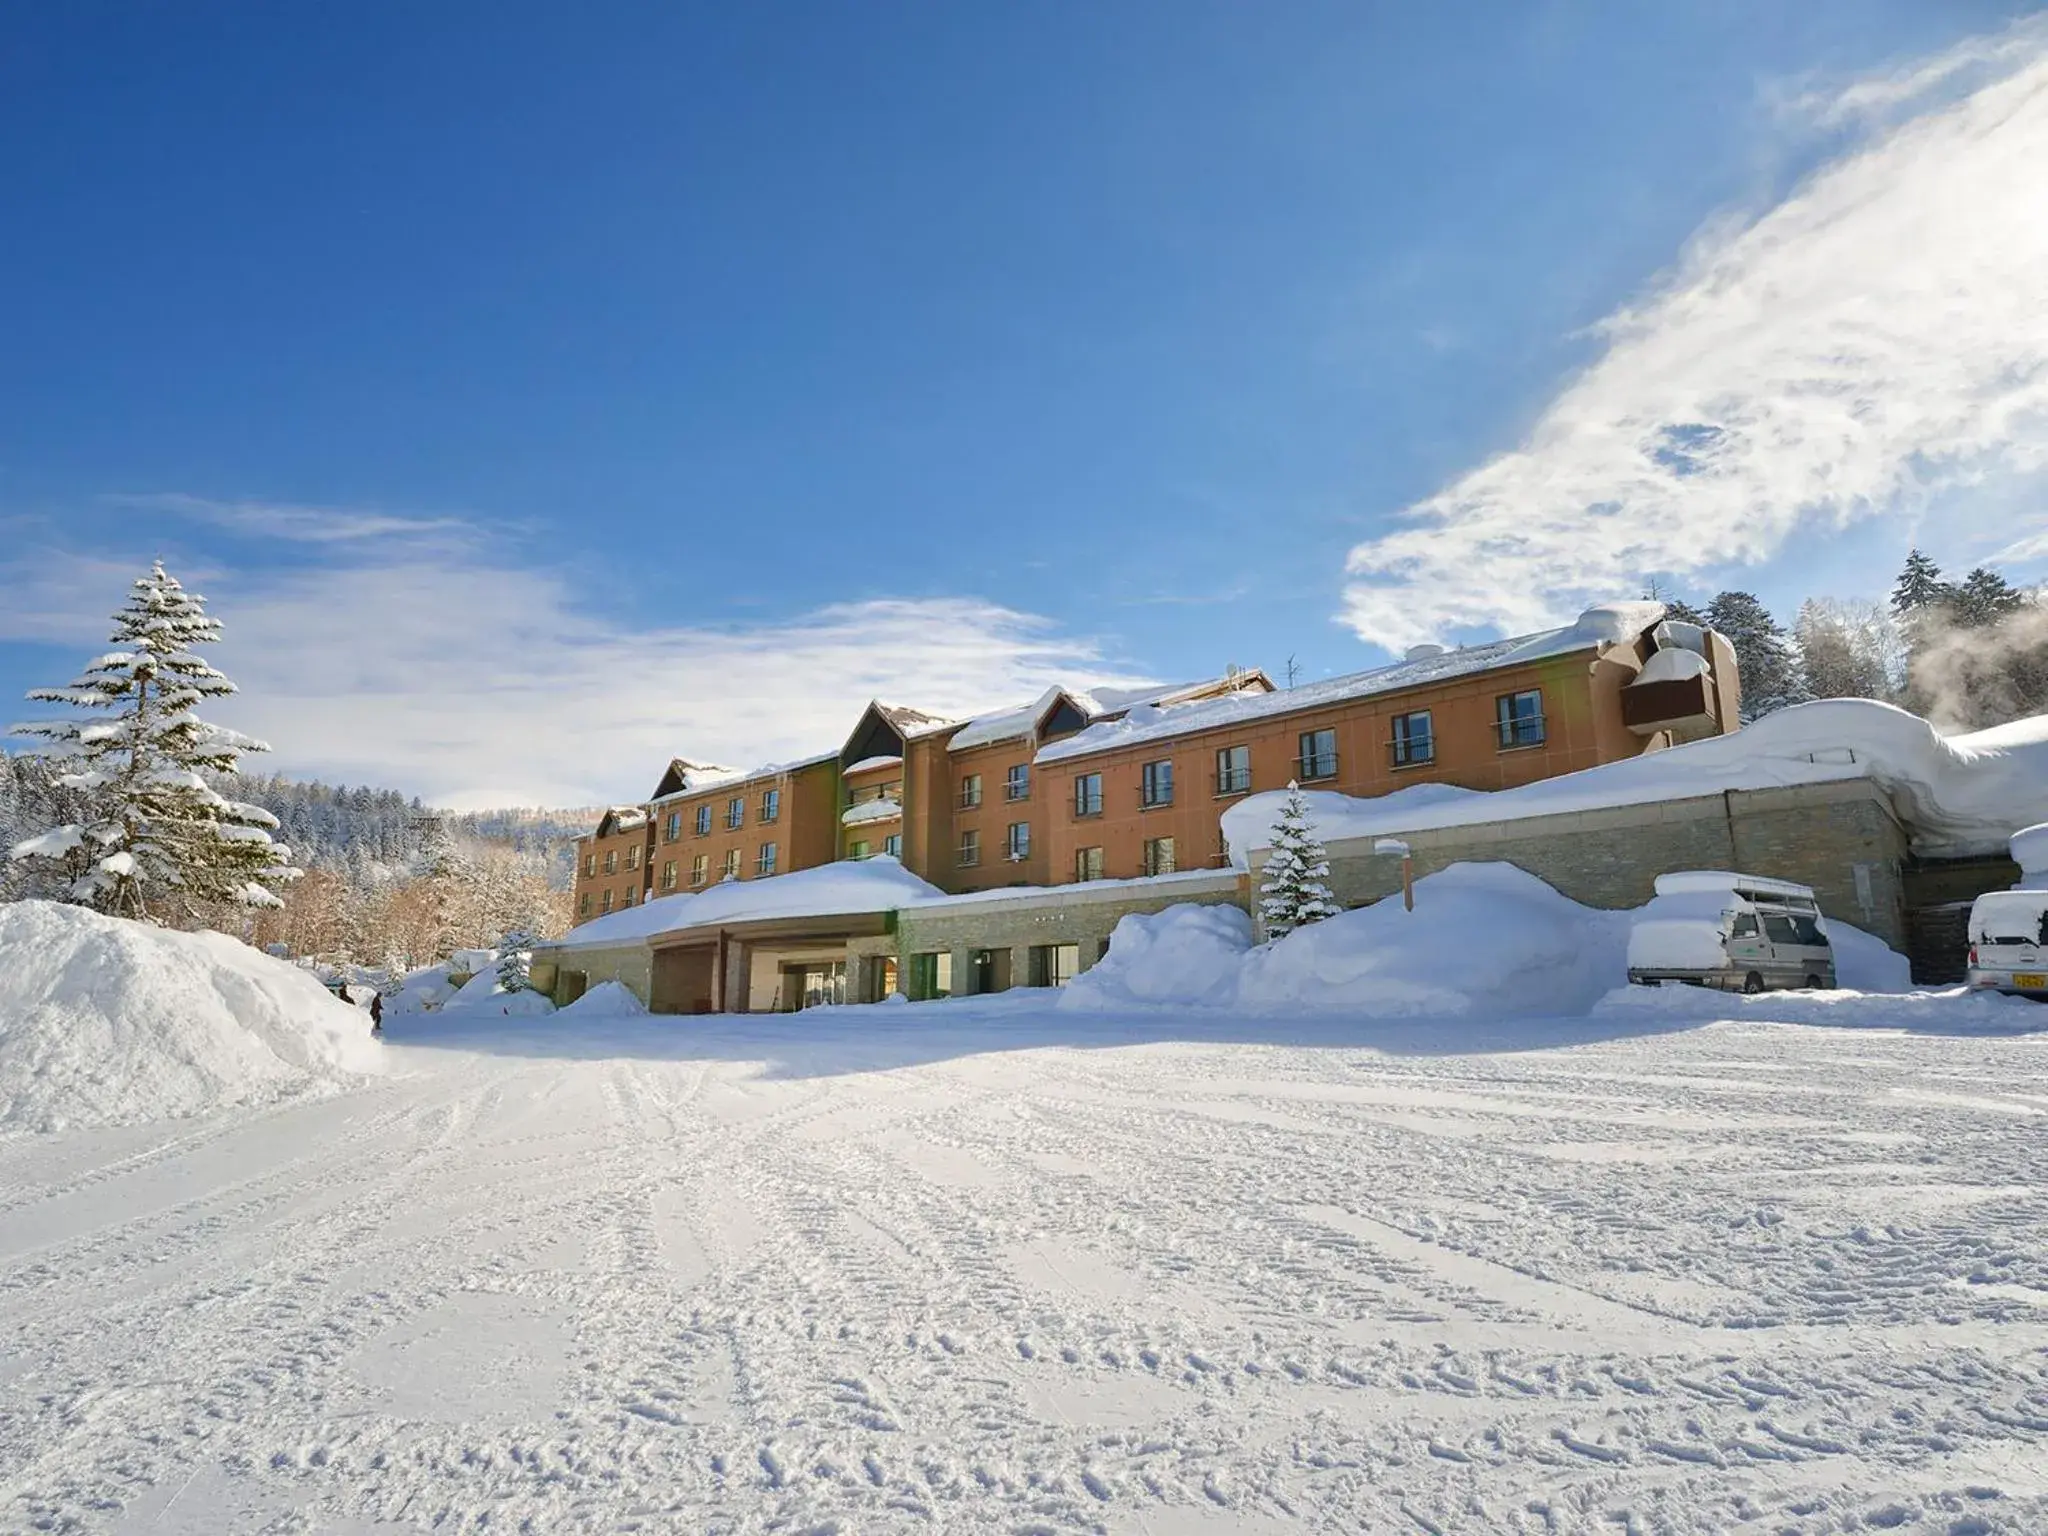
1233 781
1674 692
1315 768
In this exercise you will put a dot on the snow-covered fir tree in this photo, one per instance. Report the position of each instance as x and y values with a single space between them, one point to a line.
157 841
1765 661
1919 585
515 960
1295 889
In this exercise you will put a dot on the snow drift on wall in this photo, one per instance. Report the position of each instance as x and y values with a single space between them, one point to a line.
109 1022
1956 795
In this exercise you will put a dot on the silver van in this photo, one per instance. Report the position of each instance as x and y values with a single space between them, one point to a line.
1741 933
2009 943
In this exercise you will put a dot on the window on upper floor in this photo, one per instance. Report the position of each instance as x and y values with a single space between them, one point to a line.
700 869
611 861
857 849
1414 739
1017 782
703 821
1318 758
1233 770
583 904
730 864
892 845
1159 856
970 849
1087 863
1087 794
626 897
970 792
668 875
1155 783
633 856
735 813
771 806
604 902
764 861
1017 842
1518 719
589 866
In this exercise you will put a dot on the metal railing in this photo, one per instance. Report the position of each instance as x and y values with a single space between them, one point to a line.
967 858
1014 792
1521 731
1414 752
1308 770
1233 782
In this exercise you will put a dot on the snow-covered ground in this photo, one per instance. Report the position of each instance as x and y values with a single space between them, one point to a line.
992 1266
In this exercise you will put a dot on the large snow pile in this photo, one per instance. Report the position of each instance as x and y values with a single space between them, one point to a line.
1185 955
608 999
484 993
1482 936
1956 795
422 991
2030 851
848 888
110 1022
1865 963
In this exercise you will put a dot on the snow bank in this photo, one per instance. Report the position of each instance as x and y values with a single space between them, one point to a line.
483 993
1865 963
109 1022
1184 955
1957 795
606 999
1482 937
2030 851
422 991
848 888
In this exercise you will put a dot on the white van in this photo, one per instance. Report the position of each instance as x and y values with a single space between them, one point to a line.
2009 943
1741 933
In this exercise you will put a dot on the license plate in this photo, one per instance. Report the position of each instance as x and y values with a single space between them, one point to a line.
2033 981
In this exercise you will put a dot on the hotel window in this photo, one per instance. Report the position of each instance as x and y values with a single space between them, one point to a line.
700 869
583 904
668 875
1017 842
1017 783
1158 855
1087 794
731 864
604 902
1233 770
703 821
857 849
764 861
1054 965
892 845
590 866
673 827
1414 740
771 806
633 857
1318 758
1156 787
970 792
1519 718
970 849
626 897
611 861
1087 863
735 813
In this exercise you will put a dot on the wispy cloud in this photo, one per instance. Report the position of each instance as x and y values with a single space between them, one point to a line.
301 524
1878 337
485 683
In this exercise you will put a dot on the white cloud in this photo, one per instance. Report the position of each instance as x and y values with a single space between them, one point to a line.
304 524
478 685
1879 338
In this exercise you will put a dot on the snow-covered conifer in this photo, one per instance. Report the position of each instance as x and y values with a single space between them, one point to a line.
157 839
1294 891
1765 662
515 960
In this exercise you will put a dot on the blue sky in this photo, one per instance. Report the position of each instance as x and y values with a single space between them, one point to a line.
705 369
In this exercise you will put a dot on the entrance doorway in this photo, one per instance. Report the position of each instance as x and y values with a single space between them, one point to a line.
991 970
815 984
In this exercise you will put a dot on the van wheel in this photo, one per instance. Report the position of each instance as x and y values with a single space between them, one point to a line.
1752 984
1813 983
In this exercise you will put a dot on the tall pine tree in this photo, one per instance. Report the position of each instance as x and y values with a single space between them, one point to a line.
1919 585
1765 662
158 841
1294 892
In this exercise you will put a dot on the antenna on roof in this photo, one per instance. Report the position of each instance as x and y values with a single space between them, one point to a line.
1293 671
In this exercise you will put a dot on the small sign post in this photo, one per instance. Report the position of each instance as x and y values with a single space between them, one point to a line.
1394 846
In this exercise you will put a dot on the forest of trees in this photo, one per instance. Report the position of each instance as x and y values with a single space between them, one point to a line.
387 881
1966 654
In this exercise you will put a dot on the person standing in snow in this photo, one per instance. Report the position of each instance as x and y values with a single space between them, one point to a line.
376 1015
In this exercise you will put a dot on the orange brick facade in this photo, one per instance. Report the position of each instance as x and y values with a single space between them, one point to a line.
1032 807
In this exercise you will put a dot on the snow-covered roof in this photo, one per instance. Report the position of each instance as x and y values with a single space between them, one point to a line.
703 778
1608 624
1093 703
867 764
1955 795
911 723
621 818
1182 882
882 809
850 888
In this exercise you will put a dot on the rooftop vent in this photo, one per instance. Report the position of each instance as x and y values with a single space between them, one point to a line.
1423 652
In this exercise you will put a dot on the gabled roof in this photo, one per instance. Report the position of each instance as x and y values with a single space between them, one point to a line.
685 777
620 818
1095 704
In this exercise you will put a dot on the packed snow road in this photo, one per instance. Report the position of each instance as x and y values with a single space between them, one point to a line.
984 1268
